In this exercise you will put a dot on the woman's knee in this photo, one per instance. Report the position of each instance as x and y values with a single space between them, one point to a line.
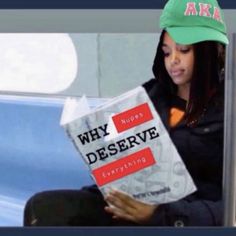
43 208
66 208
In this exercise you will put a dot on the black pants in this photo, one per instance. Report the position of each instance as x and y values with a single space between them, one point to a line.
83 207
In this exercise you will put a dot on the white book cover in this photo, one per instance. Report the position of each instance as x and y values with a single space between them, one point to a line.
126 147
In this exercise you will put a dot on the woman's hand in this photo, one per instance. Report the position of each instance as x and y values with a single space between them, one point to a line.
127 208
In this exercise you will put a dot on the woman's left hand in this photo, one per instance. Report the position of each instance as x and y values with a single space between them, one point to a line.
127 208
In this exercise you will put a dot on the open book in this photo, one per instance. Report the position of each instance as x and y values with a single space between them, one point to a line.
126 147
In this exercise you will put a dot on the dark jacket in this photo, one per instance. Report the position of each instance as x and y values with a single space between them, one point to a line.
201 148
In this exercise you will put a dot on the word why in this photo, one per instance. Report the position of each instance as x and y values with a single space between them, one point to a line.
93 134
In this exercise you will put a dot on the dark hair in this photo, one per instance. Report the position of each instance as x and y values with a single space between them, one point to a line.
208 65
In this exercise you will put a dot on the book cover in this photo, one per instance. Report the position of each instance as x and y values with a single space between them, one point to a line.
126 147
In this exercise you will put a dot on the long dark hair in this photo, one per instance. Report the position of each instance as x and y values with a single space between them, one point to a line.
208 65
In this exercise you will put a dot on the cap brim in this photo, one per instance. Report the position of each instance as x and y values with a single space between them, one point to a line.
190 35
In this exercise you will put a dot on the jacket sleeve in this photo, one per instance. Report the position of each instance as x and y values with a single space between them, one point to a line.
186 213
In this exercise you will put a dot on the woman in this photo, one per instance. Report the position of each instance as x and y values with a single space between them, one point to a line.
190 102
188 94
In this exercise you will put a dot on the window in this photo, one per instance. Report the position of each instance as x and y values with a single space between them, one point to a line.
41 63
98 65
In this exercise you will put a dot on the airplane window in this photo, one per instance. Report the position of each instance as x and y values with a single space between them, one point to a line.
41 63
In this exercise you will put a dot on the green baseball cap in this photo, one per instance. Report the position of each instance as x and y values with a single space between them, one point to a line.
193 21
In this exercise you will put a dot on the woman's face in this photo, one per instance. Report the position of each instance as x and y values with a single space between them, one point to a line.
179 61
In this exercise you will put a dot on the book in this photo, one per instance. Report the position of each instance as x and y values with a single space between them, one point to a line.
126 147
